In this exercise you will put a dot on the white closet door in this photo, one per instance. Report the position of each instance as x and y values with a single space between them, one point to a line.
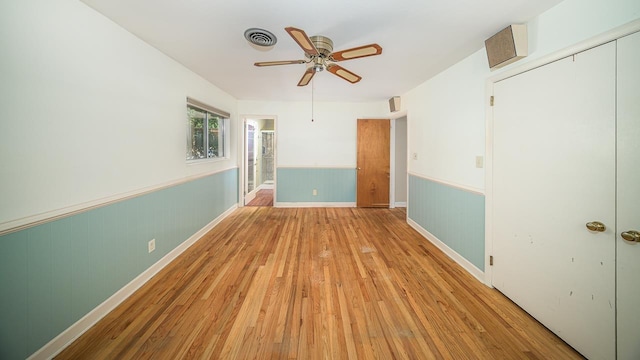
554 171
628 273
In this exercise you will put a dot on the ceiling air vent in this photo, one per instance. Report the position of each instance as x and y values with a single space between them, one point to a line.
260 37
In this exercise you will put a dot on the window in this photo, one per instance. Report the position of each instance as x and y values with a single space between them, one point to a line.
206 127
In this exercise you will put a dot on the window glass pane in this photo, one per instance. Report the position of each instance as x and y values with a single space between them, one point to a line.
195 136
215 150
205 134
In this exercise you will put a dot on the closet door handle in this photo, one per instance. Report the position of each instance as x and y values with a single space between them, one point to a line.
596 226
631 235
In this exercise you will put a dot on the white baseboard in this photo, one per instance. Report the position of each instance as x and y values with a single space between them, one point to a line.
401 204
313 204
266 186
466 264
65 338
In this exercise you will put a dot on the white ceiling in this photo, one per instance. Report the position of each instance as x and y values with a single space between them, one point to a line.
419 39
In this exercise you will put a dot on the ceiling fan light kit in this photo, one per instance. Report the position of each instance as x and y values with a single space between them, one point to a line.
319 55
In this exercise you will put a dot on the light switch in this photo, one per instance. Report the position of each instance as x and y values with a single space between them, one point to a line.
479 162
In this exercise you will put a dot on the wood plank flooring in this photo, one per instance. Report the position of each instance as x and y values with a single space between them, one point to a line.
316 283
264 197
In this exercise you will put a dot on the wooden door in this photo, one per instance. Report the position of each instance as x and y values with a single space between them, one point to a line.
553 172
373 163
628 197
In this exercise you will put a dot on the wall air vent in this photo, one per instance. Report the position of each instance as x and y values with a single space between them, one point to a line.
260 37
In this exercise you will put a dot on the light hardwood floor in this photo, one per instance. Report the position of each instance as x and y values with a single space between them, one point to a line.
264 197
335 283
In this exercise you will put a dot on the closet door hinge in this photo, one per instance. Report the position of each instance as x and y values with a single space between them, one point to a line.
490 260
491 101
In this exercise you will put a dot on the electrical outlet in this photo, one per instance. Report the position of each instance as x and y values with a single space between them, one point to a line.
314 192
152 245
414 156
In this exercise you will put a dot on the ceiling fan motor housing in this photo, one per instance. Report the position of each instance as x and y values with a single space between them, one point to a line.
323 44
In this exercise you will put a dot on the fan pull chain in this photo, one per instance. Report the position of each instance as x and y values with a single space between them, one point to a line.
312 87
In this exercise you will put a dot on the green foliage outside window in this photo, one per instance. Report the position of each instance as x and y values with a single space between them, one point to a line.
201 122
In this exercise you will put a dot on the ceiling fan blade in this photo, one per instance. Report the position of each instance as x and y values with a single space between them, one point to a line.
284 62
303 40
306 78
357 52
343 73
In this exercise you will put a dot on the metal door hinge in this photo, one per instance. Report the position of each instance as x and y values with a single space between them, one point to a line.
491 101
490 260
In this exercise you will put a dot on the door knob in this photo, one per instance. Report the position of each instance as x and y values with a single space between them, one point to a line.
631 235
596 226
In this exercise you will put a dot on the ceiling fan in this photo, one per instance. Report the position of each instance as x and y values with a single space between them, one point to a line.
318 51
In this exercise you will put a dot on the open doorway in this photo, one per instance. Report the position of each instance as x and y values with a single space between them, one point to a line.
399 162
259 156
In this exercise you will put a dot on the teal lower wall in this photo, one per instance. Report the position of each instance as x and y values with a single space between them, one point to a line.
333 185
53 274
454 216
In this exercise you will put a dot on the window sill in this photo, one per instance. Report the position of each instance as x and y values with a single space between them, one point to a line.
206 161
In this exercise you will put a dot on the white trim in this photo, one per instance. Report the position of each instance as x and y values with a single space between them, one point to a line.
207 160
406 150
449 183
392 163
397 114
318 167
38 219
250 196
275 158
240 160
313 204
488 184
65 338
206 107
242 150
611 35
466 264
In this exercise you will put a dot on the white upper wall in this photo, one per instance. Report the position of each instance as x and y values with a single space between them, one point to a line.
88 111
446 124
328 141
446 114
573 21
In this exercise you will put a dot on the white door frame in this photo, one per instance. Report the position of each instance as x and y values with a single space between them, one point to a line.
392 161
249 195
243 157
612 35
